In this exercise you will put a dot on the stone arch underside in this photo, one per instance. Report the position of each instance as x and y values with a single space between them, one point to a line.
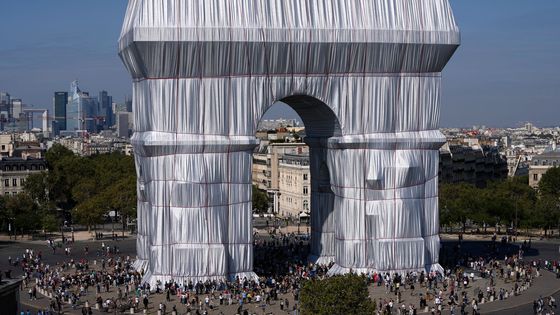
204 75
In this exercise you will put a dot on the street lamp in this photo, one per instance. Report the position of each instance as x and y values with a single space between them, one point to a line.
12 227
62 231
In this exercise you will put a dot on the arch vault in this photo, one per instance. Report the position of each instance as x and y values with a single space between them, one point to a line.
203 74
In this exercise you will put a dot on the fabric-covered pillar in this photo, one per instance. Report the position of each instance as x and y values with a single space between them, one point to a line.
385 206
322 202
195 207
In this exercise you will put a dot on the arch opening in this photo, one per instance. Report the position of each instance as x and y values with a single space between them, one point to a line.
299 176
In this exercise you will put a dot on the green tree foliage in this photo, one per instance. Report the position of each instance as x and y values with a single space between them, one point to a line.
35 186
550 182
546 214
499 202
547 211
260 200
23 212
87 187
459 203
338 295
90 212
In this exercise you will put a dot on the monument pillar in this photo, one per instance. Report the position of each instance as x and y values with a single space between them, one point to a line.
385 204
322 202
195 207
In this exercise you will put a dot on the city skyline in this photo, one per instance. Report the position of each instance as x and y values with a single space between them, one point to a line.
503 75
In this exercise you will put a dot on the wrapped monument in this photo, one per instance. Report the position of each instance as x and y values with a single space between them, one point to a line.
365 77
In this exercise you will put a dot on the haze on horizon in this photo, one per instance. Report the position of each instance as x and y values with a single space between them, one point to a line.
506 71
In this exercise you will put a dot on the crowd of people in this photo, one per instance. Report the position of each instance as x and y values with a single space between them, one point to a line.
110 281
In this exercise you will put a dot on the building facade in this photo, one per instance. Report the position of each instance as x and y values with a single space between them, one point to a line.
261 171
294 185
14 171
266 168
474 165
541 164
96 144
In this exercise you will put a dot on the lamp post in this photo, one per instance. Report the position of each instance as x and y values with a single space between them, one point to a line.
515 229
12 227
62 231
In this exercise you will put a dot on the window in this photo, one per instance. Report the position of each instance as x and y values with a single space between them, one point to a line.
305 176
14 182
535 177
305 205
22 181
305 190
7 182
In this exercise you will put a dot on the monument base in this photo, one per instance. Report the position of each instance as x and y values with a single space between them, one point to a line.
338 270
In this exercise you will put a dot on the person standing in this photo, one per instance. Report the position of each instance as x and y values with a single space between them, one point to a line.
145 302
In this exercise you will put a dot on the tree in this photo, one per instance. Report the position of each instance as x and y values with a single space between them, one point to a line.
23 211
35 187
550 182
337 295
121 198
90 212
460 202
510 201
260 200
547 213
548 206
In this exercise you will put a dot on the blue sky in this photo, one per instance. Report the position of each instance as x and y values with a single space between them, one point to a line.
507 70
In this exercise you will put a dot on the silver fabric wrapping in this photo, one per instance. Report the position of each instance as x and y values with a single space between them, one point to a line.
363 75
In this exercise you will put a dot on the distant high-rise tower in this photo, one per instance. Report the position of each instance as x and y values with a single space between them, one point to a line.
81 110
4 109
60 100
105 108
128 103
122 125
4 97
16 108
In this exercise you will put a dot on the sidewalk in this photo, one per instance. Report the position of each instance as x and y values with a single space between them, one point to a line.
78 236
543 286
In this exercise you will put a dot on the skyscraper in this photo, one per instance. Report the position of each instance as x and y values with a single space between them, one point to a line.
128 102
105 108
60 101
80 110
16 108
4 108
4 97
122 125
